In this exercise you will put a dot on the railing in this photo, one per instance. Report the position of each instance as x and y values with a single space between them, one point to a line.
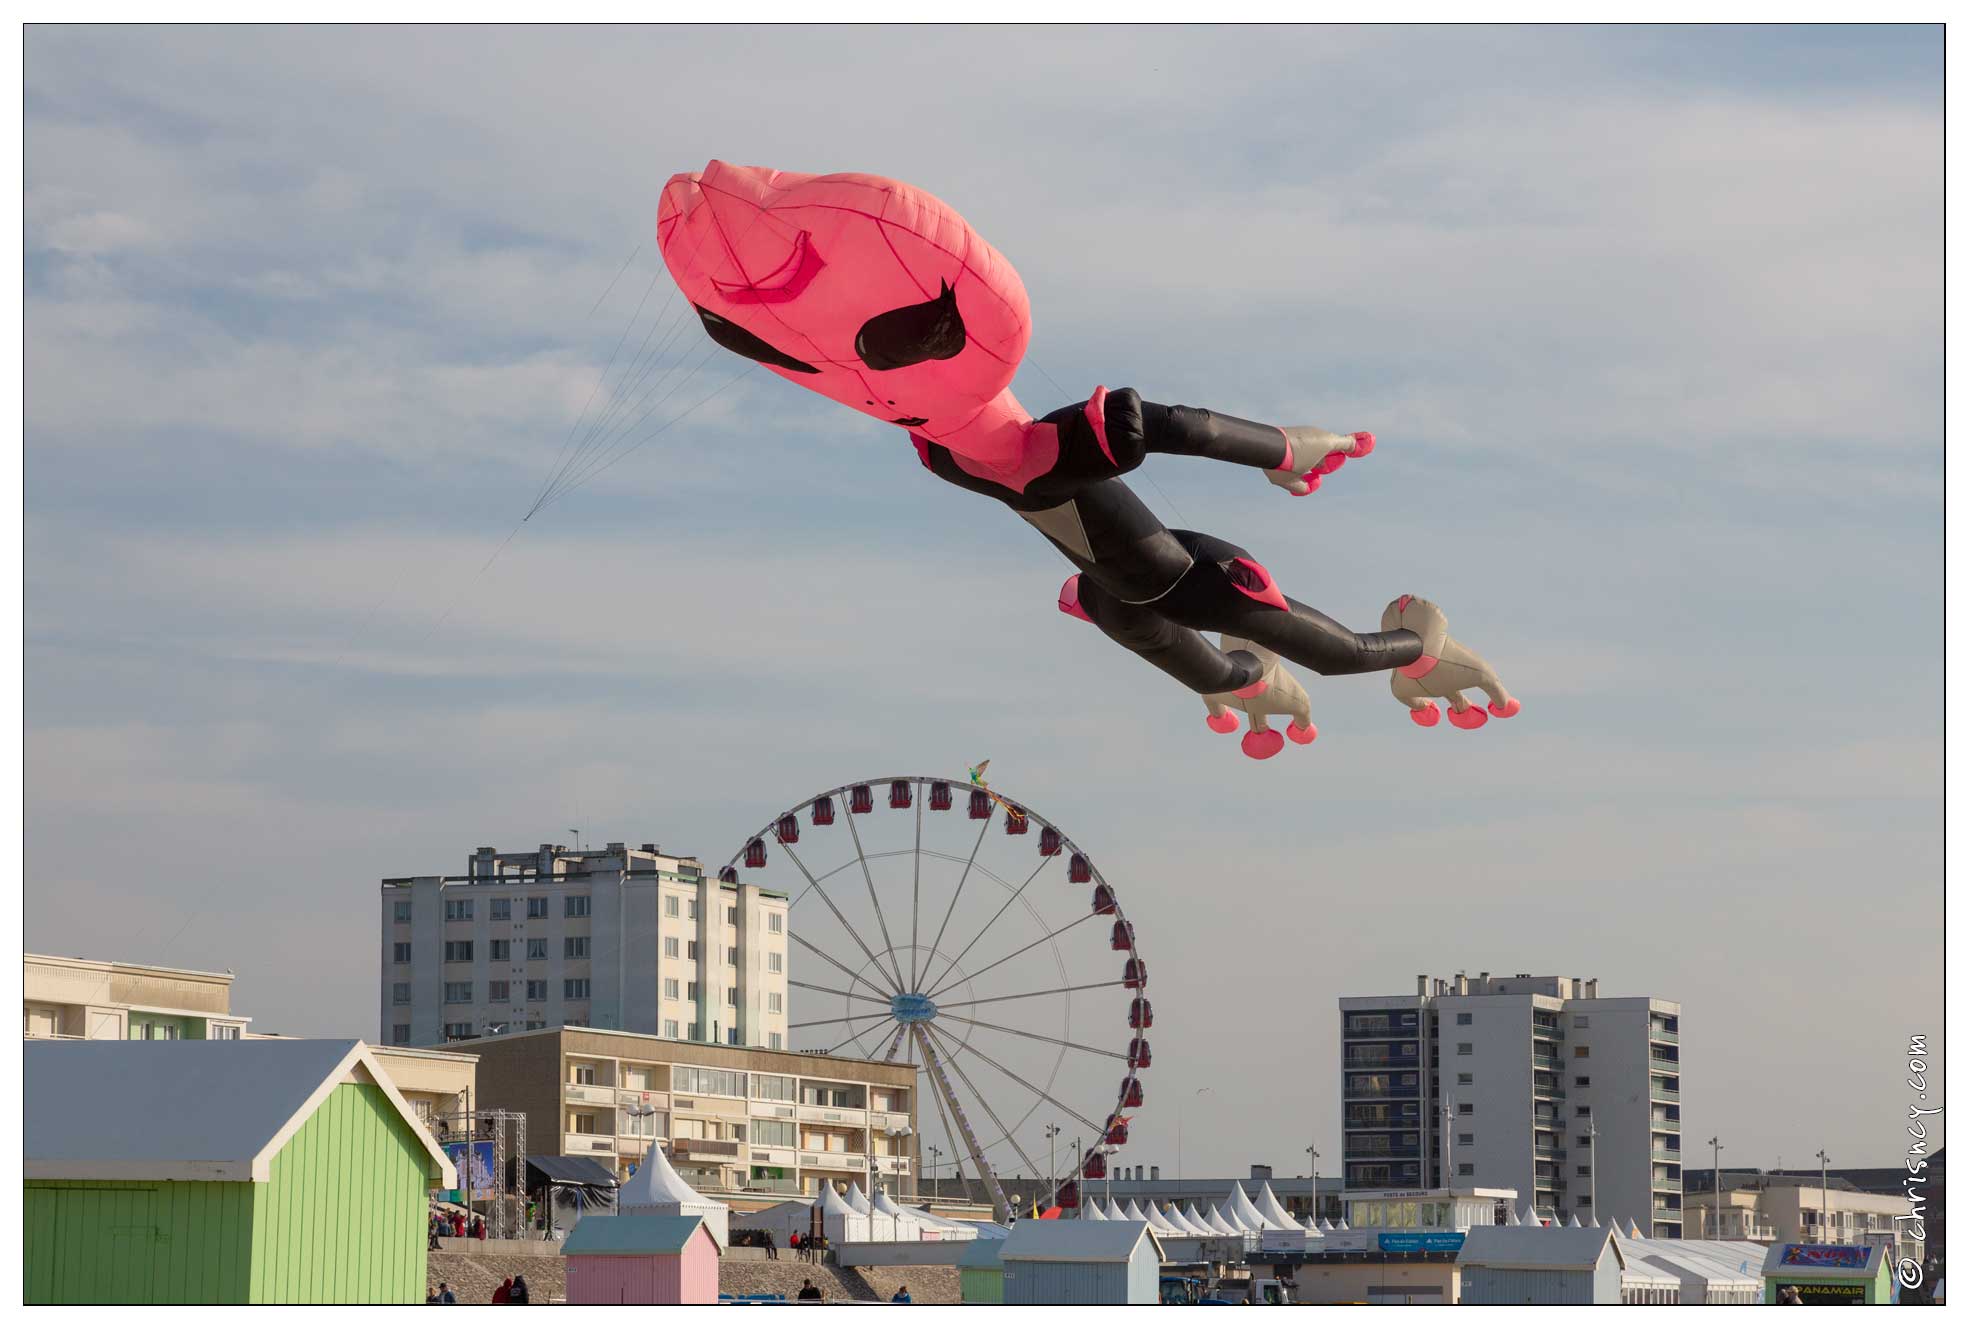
634 1097
1657 1034
591 1093
1663 1154
809 1112
1547 1090
1661 1093
830 1160
1383 1153
1544 1062
1663 1063
1399 1059
1666 1215
1382 1123
704 1148
576 1143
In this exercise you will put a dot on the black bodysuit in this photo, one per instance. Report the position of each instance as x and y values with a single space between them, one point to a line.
1155 590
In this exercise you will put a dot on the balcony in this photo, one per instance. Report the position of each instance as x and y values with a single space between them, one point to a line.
1382 1153
1382 1123
1550 1151
714 1150
1664 1154
847 1116
599 1094
1358 1060
1667 1185
637 1098
1663 1214
1657 1034
1661 1093
1664 1063
1547 1090
834 1162
575 1143
1544 1062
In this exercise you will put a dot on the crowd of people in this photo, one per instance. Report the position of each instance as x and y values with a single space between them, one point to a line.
512 1292
454 1224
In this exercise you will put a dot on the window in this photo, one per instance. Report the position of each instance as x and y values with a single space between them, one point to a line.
399 1033
457 994
402 911
1581 1053
731 955
1466 1109
457 911
1466 1169
574 989
584 1123
1585 1170
582 1075
693 1032
669 948
775 1042
1465 1077
454 1032
498 990
731 996
775 1088
775 962
670 989
402 952
536 948
502 950
1582 1110
775 1003
775 923
691 912
399 994
575 948
574 906
1464 1049
536 906
670 906
690 992
690 950
536 989
703 1080
1463 1017
458 952
225 1031
780 1133
1580 1022
1582 1081
1466 1139
669 1028
731 915
502 911
731 1036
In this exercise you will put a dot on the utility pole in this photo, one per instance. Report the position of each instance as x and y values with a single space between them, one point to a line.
1824 1201
1052 1174
1716 1169
1313 1171
1593 1173
1449 1125
935 1154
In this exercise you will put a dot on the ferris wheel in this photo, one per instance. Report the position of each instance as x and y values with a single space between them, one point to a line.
961 930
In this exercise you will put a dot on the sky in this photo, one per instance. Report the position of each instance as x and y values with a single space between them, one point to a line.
1647 322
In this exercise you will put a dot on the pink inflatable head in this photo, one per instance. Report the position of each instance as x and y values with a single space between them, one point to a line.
863 289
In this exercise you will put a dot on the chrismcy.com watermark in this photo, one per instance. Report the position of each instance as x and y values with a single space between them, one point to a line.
1907 1270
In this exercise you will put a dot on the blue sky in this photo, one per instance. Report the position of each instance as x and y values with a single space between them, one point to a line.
1647 321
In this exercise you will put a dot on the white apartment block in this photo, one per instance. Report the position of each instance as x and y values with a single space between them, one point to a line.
613 938
1570 1098
67 997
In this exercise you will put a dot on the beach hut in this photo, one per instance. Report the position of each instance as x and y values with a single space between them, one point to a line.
1071 1262
222 1172
981 1274
656 1191
642 1260
1531 1264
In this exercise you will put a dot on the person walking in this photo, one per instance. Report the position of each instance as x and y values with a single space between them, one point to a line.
520 1296
478 1228
503 1294
446 1297
430 1295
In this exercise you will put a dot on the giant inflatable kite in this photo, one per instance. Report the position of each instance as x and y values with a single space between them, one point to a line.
879 296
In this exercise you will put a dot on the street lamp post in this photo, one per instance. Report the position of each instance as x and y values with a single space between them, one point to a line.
935 1155
1716 1172
1179 1126
1593 1174
1052 1172
1824 1198
1449 1138
1313 1171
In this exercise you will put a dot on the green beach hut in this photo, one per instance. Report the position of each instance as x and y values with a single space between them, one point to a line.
229 1171
981 1273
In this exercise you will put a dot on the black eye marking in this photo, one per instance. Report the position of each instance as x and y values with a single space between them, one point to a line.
933 330
737 340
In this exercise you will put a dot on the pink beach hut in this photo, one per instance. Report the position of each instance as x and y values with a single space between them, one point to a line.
641 1260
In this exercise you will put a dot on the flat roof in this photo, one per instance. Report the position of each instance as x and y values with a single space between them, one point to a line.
695 1049
132 966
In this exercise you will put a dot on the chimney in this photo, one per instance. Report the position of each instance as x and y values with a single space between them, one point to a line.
1421 985
1261 1172
1155 1173
615 846
649 848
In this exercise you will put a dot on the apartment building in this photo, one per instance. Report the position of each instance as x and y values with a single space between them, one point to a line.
737 1120
615 938
1772 1208
1534 1083
65 997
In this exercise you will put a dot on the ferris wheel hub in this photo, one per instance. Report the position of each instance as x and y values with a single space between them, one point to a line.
912 1008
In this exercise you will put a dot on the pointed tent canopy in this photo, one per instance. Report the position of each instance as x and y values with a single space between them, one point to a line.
1511 1218
1530 1218
1195 1220
1134 1213
1574 1222
1224 1225
1271 1210
856 1200
831 1203
1173 1216
1090 1209
1247 1212
1595 1222
656 1189
1341 1226
1326 1225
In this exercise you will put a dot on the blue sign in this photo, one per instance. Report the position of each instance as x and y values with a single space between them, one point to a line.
1421 1241
474 1164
